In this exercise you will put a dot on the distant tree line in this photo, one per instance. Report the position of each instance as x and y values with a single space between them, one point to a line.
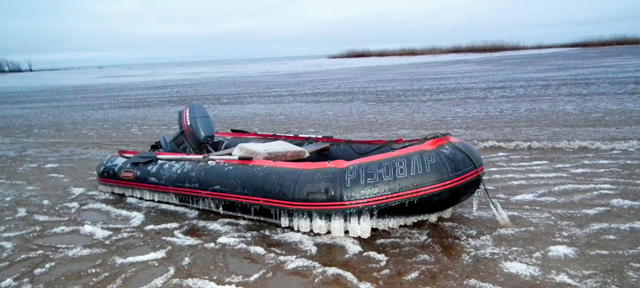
8 66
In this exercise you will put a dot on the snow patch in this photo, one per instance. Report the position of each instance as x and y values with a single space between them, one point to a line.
562 251
575 144
476 283
45 218
200 283
79 252
76 191
621 203
378 256
45 268
300 240
191 213
162 226
521 269
141 258
136 218
21 213
160 280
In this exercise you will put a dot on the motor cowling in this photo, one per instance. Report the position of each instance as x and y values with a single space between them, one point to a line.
195 135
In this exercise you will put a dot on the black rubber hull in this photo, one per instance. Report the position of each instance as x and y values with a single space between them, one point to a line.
420 180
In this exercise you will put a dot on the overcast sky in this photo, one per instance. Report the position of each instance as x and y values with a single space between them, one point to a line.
118 29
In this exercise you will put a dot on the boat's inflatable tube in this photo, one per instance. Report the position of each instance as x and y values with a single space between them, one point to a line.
428 177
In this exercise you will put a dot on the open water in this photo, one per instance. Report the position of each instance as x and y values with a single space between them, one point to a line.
558 129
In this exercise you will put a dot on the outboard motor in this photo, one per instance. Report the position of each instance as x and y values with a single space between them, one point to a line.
196 132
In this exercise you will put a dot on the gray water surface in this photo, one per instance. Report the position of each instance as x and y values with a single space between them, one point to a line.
558 130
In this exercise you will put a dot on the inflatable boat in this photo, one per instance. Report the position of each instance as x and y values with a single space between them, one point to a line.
306 182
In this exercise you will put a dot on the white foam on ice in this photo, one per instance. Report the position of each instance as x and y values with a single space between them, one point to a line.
8 247
18 233
512 231
564 279
521 269
95 232
581 187
56 175
518 168
50 165
191 213
333 271
142 258
45 218
478 284
592 194
73 206
622 226
616 252
162 226
158 282
412 276
574 144
532 197
528 175
100 195
230 240
218 226
182 240
30 255
199 283
588 170
76 191
624 203
293 262
562 251
239 278
79 252
377 256
595 210
136 218
351 245
300 240
21 213
530 163
44 268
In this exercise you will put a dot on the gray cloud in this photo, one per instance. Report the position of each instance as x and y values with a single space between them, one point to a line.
231 29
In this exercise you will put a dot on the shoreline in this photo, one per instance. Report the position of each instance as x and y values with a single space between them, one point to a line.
485 47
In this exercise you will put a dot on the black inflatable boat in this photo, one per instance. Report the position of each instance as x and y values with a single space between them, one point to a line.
315 182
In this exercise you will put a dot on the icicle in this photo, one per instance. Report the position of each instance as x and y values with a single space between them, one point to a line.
352 226
337 224
476 196
296 220
365 225
319 224
284 219
502 217
305 223
447 213
433 217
